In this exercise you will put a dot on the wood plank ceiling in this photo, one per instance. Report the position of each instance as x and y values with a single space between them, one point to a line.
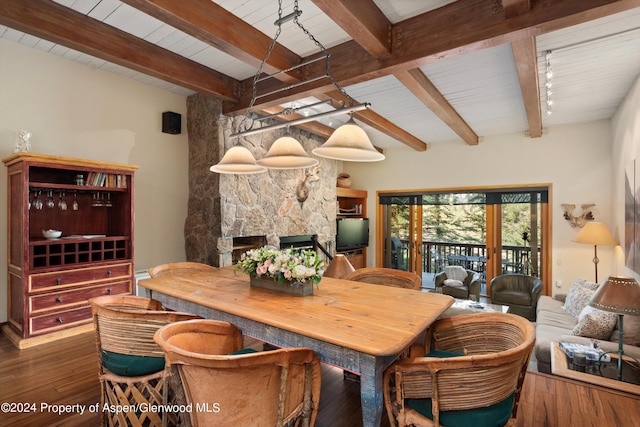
437 71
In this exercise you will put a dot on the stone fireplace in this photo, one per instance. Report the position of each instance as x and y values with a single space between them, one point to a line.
223 207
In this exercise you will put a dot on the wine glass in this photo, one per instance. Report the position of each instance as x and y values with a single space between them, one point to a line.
62 202
29 200
75 205
50 203
37 202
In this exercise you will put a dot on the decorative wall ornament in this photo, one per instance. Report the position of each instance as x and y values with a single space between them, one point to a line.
304 186
23 143
580 218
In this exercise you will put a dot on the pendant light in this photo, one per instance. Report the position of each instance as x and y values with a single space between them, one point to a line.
287 153
238 160
349 143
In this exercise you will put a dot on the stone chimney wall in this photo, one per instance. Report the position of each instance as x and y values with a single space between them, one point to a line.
223 206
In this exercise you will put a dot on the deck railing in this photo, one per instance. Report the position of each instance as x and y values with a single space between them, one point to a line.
437 255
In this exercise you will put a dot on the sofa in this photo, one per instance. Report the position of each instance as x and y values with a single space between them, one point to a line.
556 321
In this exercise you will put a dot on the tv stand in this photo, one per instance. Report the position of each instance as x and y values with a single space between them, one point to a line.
353 204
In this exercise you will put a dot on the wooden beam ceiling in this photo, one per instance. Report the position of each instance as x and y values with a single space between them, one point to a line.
61 25
525 56
426 92
452 30
378 49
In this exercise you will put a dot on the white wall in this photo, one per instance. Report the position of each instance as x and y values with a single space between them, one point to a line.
77 111
626 147
574 160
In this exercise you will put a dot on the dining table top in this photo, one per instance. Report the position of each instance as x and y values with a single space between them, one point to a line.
373 319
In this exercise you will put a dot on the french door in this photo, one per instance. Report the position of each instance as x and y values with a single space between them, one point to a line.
493 231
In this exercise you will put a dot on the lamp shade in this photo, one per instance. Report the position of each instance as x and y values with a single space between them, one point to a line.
237 160
339 267
349 143
619 295
287 153
595 233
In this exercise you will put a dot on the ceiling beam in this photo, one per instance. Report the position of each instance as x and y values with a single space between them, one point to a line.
214 25
61 25
378 122
525 56
452 30
515 7
363 21
418 83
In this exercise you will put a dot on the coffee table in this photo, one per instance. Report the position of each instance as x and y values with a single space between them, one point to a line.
465 306
561 366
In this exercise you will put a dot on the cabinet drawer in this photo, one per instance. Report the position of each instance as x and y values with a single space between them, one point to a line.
61 279
62 320
64 299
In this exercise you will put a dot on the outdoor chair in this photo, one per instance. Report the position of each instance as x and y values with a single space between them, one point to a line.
470 373
131 365
271 388
178 268
386 276
520 292
469 285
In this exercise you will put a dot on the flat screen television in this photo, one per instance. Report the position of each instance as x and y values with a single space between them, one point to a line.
352 233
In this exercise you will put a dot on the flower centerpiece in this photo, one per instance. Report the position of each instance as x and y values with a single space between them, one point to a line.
287 268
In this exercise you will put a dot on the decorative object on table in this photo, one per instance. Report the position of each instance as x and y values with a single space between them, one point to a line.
287 270
23 143
344 180
620 295
581 217
339 267
595 233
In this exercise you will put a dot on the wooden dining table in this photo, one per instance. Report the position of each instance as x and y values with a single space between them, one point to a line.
356 326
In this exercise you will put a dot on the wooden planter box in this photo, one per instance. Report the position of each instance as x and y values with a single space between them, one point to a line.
290 288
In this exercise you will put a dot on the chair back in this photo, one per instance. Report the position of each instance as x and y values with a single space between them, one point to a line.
496 348
178 268
271 388
386 276
126 324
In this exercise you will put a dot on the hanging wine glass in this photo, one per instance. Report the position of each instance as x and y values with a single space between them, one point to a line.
108 202
75 205
37 202
50 203
62 202
29 200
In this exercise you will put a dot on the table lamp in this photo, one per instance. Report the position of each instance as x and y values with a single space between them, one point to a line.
595 233
339 267
620 295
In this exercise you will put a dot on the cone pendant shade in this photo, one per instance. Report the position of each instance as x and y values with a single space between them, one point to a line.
287 153
237 160
349 143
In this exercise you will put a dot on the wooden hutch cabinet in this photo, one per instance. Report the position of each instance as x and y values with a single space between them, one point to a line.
353 204
50 280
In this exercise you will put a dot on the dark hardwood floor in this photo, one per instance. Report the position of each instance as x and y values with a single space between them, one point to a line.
64 373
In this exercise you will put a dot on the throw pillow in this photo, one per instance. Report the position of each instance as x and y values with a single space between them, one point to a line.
455 272
577 298
594 323
451 282
587 284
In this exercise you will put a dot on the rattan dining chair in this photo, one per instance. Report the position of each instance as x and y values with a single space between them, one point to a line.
178 268
270 388
470 373
386 276
131 369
